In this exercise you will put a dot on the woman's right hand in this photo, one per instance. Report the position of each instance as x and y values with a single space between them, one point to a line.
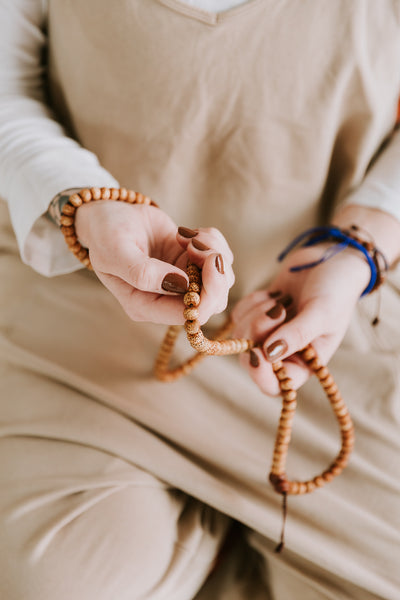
138 254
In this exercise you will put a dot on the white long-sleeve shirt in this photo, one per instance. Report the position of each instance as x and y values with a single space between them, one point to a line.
38 160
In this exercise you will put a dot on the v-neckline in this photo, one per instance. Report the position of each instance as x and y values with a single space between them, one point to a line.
207 17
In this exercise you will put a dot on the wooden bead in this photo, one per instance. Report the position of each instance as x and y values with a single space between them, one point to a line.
123 194
194 287
86 195
71 240
83 253
327 382
67 221
191 299
192 326
318 481
75 200
190 314
286 384
322 373
308 353
114 194
67 231
68 209
105 193
131 197
96 193
310 486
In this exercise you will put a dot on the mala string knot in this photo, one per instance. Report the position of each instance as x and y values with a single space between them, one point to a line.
222 346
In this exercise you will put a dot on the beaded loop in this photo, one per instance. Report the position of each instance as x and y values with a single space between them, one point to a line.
93 194
277 474
206 347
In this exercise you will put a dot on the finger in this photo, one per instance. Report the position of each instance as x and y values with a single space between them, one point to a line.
145 273
247 303
260 321
217 279
295 335
256 298
145 306
260 370
204 239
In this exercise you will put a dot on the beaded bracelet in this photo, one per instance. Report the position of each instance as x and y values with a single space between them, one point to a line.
84 196
344 238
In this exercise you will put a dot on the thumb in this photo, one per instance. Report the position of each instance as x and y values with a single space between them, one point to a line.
293 336
151 274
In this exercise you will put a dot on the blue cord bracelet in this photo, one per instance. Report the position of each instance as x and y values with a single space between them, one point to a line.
343 240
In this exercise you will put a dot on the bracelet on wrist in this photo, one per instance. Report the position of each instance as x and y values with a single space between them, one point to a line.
84 196
351 237
54 210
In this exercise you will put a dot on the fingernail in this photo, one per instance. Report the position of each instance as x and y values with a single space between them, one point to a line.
254 360
199 245
186 232
290 314
173 282
275 350
286 300
275 294
219 264
275 312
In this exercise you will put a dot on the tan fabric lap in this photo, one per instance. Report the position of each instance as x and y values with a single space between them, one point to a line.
78 523
210 435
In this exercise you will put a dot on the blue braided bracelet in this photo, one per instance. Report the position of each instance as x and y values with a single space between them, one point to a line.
343 239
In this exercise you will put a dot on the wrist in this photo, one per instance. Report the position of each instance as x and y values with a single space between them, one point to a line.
54 210
383 229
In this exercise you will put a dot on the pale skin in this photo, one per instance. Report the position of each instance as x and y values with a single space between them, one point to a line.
133 249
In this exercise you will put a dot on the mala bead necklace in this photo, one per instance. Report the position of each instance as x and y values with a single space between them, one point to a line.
222 346
206 347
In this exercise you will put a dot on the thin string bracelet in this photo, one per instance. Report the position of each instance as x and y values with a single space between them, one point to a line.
344 238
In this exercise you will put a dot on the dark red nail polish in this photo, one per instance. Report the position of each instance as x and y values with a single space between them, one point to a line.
186 232
286 300
173 282
275 312
219 264
275 350
199 245
254 360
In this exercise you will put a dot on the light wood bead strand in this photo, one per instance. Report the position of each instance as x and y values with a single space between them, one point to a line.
84 196
207 347
277 474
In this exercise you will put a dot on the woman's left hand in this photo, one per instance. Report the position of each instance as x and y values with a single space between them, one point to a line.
312 306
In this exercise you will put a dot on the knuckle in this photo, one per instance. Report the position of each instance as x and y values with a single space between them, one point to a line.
140 275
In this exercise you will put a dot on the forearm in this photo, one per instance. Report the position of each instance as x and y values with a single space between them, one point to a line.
37 159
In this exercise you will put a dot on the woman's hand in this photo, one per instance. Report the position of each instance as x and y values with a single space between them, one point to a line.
138 254
309 306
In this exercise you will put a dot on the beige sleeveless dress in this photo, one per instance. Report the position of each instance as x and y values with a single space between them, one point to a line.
257 121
